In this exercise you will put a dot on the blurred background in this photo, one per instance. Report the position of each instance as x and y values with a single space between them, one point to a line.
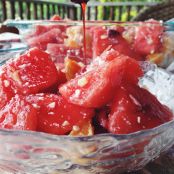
117 10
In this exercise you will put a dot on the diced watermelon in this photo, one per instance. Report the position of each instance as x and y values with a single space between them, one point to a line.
59 52
6 89
18 114
56 115
95 87
54 35
30 73
131 112
103 38
146 37
133 70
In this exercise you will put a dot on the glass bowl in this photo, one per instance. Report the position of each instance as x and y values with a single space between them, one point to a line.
34 152
37 28
10 46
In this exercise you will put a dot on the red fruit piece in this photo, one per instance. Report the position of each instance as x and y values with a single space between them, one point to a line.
54 35
55 18
146 37
18 114
150 103
43 28
95 87
56 115
30 73
130 113
102 39
6 91
133 70
59 52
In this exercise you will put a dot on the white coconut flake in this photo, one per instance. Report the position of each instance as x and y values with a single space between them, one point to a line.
152 51
24 65
35 106
103 36
77 93
28 54
134 100
149 41
40 98
65 123
81 64
51 113
6 83
56 124
27 83
52 105
15 76
82 82
139 120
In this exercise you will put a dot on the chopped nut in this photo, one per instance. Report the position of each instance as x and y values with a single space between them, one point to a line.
82 82
6 83
76 128
15 76
65 123
81 64
84 130
103 36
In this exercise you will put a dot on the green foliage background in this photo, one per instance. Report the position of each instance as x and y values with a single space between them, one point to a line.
100 8
124 15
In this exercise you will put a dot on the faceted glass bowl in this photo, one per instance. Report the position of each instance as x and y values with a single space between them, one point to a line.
12 50
10 46
34 152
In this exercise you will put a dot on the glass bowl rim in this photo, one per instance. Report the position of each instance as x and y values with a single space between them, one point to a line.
122 137
24 47
10 22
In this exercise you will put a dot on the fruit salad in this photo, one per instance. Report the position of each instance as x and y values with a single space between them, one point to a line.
77 99
147 40
52 88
